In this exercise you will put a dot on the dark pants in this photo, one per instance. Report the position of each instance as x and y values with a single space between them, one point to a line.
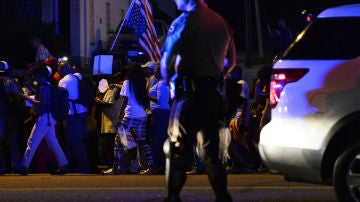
106 149
159 122
9 144
74 142
196 117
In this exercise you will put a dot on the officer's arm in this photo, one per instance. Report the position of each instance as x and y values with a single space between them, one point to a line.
166 63
171 48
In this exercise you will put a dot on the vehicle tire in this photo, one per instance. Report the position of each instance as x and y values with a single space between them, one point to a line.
346 176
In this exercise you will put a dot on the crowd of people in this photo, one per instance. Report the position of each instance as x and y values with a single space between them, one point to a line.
32 141
165 117
137 99
139 123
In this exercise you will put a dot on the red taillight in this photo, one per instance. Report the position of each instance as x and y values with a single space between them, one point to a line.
281 77
309 17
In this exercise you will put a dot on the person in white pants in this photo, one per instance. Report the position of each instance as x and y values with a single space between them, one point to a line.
44 127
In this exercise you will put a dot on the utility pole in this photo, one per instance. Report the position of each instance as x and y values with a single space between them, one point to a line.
248 35
56 17
259 30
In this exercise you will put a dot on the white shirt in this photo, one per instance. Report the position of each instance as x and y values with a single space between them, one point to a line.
70 83
162 92
133 108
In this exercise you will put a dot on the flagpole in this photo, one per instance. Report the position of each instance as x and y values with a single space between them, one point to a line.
122 24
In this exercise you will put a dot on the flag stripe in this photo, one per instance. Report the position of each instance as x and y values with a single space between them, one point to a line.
141 21
150 34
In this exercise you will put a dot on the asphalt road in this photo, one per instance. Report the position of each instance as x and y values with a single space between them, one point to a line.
151 188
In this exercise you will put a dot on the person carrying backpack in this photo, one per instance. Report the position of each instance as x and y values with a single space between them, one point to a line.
74 125
44 126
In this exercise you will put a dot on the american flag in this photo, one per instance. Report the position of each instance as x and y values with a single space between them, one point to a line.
141 21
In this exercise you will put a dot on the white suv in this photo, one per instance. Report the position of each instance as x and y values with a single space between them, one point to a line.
314 132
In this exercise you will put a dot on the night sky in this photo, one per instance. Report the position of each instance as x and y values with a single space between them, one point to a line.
270 10
273 9
15 43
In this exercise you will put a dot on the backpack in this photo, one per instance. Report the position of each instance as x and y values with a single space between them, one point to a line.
59 103
86 95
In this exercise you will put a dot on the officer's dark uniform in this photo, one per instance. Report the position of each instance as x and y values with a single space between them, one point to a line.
203 40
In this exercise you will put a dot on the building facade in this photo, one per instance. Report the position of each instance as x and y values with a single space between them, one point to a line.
92 23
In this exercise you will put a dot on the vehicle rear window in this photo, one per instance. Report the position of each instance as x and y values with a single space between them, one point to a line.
330 38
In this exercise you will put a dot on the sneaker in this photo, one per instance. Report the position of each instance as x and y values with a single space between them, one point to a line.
233 170
61 171
193 171
147 171
111 171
